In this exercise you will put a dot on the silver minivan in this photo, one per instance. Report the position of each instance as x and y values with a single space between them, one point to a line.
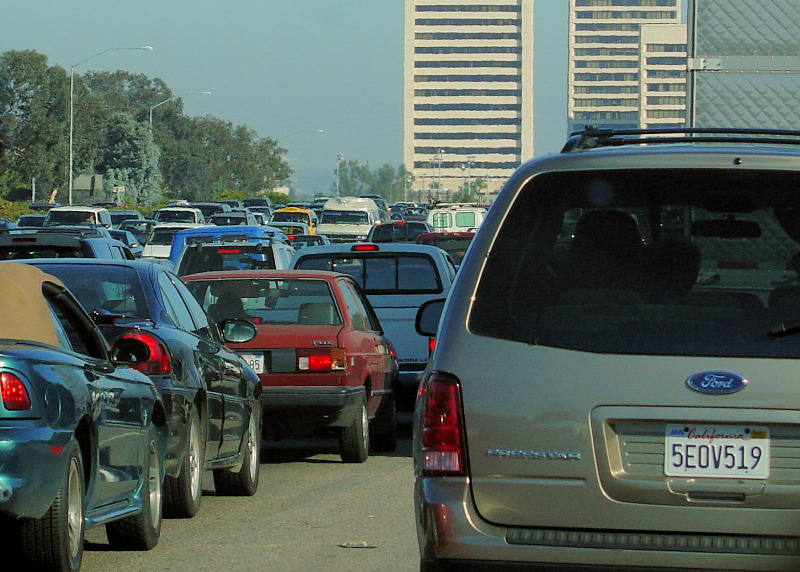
616 377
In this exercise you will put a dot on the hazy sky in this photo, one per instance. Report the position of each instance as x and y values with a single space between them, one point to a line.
282 67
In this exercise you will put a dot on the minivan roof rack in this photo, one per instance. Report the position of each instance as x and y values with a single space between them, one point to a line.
593 137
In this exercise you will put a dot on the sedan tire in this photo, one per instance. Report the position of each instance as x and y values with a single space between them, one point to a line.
354 440
55 541
182 494
243 483
142 531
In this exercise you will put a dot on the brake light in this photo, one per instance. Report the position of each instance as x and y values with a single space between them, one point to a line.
443 450
431 345
154 360
14 393
229 251
364 248
321 360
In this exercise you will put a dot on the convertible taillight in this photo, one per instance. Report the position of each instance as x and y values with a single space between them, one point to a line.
13 392
155 360
443 449
321 360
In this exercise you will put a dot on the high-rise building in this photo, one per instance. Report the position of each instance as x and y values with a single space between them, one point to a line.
663 93
606 67
468 93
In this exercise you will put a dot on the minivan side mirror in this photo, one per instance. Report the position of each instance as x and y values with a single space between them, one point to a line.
428 315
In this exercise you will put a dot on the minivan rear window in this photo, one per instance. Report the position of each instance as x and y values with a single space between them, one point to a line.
383 274
687 262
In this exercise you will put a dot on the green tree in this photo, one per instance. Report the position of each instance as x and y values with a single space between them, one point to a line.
131 160
34 118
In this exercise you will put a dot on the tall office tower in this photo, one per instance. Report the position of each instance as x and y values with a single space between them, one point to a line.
468 93
605 64
663 94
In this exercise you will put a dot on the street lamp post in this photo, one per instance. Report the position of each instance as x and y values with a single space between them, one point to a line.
339 158
173 99
72 106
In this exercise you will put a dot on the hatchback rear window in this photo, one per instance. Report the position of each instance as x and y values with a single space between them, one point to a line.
689 262
384 274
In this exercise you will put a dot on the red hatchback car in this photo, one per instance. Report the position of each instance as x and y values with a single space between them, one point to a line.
320 353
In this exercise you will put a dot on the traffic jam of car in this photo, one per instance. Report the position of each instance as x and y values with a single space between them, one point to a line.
124 377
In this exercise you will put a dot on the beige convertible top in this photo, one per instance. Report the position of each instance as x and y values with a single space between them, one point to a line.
24 313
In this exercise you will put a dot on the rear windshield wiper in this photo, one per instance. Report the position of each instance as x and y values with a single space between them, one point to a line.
785 329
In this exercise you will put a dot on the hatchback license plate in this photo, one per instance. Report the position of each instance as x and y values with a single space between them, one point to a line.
255 361
720 451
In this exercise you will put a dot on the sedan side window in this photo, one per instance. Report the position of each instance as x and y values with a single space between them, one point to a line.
204 326
353 309
176 307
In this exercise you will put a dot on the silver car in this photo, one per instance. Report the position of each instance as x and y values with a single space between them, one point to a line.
615 381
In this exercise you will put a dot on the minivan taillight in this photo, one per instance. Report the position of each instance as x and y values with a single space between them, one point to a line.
14 393
443 450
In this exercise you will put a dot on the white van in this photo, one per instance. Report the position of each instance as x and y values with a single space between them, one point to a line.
456 218
78 214
160 242
348 219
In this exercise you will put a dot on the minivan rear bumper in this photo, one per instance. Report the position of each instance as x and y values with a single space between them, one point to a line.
453 536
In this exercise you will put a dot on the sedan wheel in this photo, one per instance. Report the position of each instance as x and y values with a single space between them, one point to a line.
245 481
55 541
182 494
142 531
354 440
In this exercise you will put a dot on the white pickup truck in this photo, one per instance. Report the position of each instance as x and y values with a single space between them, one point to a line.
397 278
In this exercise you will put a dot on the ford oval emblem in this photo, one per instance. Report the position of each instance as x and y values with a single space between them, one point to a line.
716 382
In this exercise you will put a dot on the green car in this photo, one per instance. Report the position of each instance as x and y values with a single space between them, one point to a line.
83 435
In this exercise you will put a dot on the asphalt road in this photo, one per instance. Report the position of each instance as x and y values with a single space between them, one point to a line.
308 508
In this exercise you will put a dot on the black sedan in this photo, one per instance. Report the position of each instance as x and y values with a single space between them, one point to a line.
83 435
212 397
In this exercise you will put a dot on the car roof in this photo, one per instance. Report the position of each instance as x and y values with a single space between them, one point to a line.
233 274
24 313
383 247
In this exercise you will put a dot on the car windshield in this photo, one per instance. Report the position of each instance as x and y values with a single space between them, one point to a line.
175 216
687 263
284 301
345 217
56 218
290 217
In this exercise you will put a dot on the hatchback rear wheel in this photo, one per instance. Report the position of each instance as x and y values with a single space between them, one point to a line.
354 440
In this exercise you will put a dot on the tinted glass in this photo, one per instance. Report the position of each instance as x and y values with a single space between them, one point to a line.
690 262
384 274
113 288
268 301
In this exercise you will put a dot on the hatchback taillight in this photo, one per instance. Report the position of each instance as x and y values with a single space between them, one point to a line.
321 360
14 393
443 449
152 359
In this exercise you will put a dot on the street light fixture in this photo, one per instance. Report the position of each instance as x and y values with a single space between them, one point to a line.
173 98
72 105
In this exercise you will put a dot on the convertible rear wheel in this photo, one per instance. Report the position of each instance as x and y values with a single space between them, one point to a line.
243 483
354 440
55 541
142 531
182 494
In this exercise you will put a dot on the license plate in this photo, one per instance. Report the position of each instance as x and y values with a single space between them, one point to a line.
255 361
720 451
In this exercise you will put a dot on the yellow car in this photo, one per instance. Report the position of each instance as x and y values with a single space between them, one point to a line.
294 214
